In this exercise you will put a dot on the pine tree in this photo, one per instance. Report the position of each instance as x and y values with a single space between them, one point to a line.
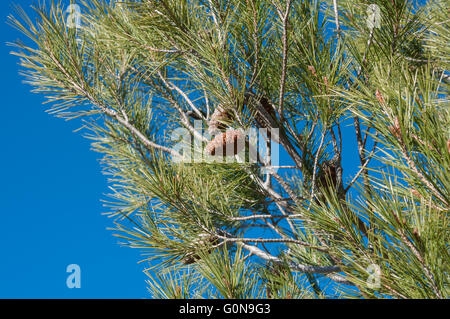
310 75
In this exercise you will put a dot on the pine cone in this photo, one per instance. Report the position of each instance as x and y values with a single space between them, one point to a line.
267 107
203 240
217 118
264 122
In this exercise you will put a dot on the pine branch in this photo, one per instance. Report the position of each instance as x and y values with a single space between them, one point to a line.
79 89
326 270
284 40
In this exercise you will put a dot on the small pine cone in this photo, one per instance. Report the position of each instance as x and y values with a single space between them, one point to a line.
448 146
327 174
379 96
416 234
395 129
265 123
231 137
266 105
203 240
312 69
217 118
325 81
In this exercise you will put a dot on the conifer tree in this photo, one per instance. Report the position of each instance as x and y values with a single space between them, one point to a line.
168 91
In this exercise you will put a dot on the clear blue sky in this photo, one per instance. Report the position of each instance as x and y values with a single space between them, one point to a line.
50 191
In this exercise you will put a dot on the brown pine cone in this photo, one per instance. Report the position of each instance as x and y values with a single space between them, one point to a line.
379 96
327 174
218 145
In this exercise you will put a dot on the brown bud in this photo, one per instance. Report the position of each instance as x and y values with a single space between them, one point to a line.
395 129
267 106
415 192
327 174
190 258
325 81
261 118
264 118
379 96
312 70
417 235
448 146
235 138
217 118
269 292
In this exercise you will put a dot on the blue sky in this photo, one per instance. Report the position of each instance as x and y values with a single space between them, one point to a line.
50 192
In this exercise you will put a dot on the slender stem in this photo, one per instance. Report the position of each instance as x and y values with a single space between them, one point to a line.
316 160
271 240
287 188
216 22
187 99
363 167
336 18
326 270
184 118
284 40
413 166
255 42
79 89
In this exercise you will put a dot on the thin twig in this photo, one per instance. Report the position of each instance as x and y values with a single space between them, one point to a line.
363 167
284 40
287 188
272 240
325 270
172 86
315 165
184 118
216 21
412 166
78 89
336 18
420 258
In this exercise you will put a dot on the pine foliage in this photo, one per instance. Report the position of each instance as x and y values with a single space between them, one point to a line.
322 72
